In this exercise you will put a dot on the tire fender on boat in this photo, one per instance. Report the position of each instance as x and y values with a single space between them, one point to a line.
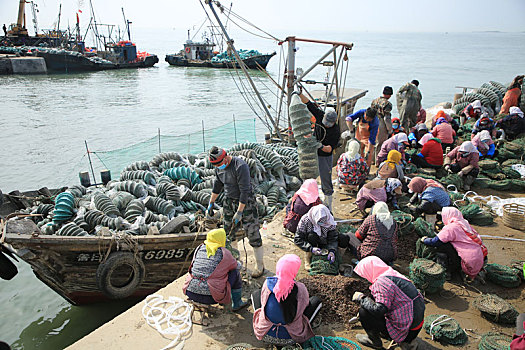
118 265
8 269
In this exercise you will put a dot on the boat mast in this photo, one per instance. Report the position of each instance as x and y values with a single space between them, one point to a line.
34 10
241 64
127 24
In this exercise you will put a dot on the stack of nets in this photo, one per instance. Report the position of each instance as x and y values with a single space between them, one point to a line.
404 221
335 343
503 275
423 228
496 309
452 179
494 341
321 266
424 251
427 275
473 213
445 330
240 346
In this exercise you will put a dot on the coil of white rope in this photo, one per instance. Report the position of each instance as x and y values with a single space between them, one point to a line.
170 317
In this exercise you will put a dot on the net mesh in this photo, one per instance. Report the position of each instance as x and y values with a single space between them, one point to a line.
496 309
321 266
445 329
322 343
502 275
494 341
427 275
194 143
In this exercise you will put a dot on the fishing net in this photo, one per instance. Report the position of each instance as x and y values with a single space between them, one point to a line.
235 252
452 179
424 251
503 275
410 168
347 229
404 221
322 343
488 164
455 196
511 173
445 330
427 275
321 266
494 341
423 228
496 309
510 162
292 347
494 174
481 182
475 215
517 185
240 346
501 185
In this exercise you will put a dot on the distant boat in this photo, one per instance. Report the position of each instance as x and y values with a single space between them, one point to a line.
201 54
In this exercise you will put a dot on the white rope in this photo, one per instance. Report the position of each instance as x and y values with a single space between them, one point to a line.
435 323
170 317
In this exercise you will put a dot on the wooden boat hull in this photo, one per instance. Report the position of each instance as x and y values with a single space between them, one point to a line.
253 62
70 63
71 266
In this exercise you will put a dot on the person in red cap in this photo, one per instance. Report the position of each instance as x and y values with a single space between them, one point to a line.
232 175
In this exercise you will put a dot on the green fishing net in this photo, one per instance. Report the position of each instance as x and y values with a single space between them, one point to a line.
488 164
481 182
474 215
496 309
346 229
424 251
240 346
517 185
321 266
494 341
494 174
404 221
510 162
445 330
427 275
511 173
423 228
235 252
500 185
455 196
323 343
410 169
452 179
503 275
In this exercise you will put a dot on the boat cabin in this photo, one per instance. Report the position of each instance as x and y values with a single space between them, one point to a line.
198 51
123 51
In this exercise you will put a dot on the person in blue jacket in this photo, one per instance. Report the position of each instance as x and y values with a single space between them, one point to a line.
366 134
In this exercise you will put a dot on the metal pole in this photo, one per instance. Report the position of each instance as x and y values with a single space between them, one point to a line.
243 67
159 140
235 128
90 163
203 139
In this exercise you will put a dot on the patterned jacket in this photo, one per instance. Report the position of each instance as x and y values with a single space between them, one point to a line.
377 240
384 109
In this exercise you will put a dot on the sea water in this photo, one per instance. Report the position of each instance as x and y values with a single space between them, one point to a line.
45 119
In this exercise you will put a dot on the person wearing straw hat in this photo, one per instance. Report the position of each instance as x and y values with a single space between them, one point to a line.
377 235
283 309
396 309
213 276
461 246
232 175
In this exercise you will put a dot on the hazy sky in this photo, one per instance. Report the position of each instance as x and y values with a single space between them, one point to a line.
286 17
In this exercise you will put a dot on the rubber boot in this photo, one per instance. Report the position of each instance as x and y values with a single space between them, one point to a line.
409 346
237 302
328 202
442 259
259 261
341 252
307 260
370 339
431 219
468 180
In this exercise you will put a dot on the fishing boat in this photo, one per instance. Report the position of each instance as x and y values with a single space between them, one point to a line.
201 54
94 268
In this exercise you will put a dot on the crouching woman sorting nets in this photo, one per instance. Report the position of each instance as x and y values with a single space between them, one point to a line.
317 231
378 191
376 236
302 201
283 308
431 195
214 273
463 160
459 247
396 309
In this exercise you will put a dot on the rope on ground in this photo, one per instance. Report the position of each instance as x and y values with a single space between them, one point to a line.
445 329
170 317
332 343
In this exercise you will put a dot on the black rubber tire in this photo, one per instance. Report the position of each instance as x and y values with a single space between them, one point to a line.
8 269
106 269
176 224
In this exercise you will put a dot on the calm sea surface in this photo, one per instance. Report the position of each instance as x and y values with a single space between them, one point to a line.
45 120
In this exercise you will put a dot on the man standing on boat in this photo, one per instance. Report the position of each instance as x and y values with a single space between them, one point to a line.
409 103
328 133
232 175
383 108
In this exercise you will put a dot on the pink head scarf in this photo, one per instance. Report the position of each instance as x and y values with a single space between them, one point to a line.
373 267
286 269
451 215
425 139
309 192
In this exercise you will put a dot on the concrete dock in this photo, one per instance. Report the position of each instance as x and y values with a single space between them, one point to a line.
11 64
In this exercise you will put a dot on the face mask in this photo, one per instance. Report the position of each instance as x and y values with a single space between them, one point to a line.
464 155
222 166
395 126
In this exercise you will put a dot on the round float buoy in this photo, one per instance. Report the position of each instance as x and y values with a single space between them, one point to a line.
188 50
120 275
